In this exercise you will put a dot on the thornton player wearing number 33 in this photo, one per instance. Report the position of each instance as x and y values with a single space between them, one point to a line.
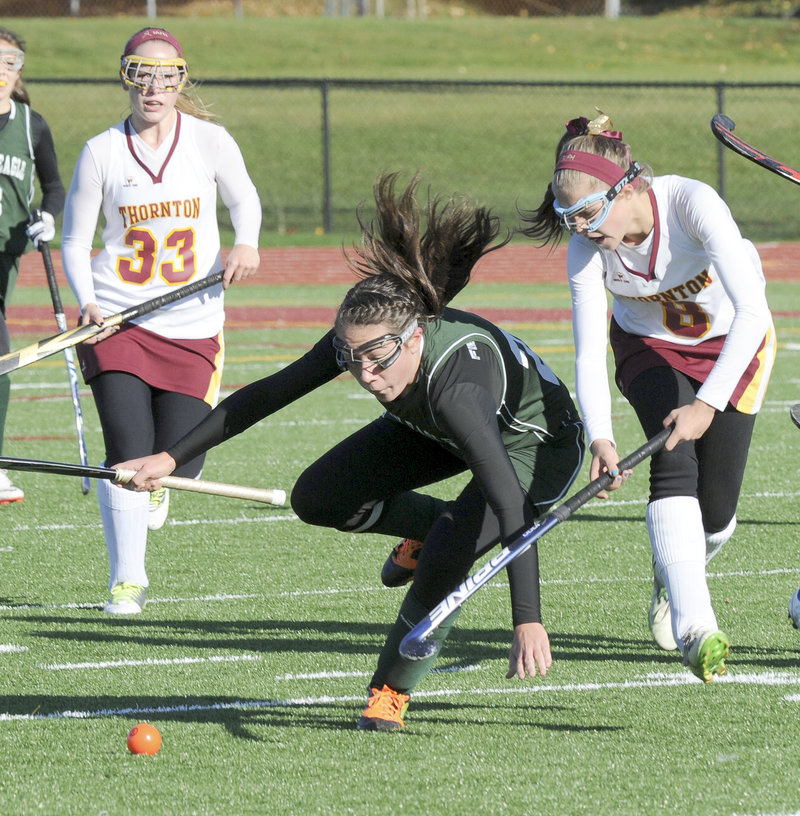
156 176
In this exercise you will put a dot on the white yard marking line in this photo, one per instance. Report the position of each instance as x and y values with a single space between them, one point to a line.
10 648
337 675
289 516
332 591
27 528
650 681
172 661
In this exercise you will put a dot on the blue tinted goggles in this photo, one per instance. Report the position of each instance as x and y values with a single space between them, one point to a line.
591 211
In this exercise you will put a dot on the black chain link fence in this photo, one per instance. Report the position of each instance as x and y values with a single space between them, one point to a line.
314 147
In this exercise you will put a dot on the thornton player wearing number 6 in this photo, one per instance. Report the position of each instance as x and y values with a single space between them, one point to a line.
460 395
693 344
156 176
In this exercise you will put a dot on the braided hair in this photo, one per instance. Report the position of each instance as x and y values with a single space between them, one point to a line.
413 263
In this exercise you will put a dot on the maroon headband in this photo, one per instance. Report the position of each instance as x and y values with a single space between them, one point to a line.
147 34
603 169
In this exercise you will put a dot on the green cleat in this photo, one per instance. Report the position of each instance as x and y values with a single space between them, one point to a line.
704 652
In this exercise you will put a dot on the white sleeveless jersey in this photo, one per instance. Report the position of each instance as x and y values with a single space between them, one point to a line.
694 278
161 231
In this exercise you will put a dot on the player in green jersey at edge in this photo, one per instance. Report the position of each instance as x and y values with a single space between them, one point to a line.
27 154
460 394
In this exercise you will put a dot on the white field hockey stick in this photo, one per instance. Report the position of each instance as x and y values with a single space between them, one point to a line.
416 645
51 345
722 127
794 412
72 371
272 496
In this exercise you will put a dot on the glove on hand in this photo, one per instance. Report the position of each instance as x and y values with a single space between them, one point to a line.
42 227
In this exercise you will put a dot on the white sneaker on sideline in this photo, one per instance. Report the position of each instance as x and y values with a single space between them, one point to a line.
159 507
9 492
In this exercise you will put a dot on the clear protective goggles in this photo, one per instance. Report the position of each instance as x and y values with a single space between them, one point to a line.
144 74
383 351
591 211
12 58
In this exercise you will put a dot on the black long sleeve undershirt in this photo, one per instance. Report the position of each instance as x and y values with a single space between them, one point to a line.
465 399
259 399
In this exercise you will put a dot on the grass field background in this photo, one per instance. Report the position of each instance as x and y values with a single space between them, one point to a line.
261 633
253 654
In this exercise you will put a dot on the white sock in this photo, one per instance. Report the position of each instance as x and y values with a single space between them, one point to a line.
714 541
676 532
124 515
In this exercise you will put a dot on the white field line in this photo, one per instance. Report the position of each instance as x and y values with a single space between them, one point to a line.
332 591
649 681
182 661
9 648
289 516
336 675
172 661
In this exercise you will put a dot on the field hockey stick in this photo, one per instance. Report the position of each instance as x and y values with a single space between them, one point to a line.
272 496
416 645
794 413
59 342
722 127
72 371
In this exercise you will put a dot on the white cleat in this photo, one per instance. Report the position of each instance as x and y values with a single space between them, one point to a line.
158 509
126 599
9 492
660 618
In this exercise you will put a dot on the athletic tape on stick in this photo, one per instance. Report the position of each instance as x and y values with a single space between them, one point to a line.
51 345
272 496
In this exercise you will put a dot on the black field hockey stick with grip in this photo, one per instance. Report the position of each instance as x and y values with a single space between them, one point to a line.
794 413
51 345
417 644
272 496
72 371
722 127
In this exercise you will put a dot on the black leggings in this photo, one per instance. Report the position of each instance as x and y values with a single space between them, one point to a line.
710 468
138 419
369 481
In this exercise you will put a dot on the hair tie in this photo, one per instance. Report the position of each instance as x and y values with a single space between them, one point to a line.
577 127
599 126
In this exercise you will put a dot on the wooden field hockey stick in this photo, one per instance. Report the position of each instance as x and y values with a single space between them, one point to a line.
272 496
416 645
72 371
51 345
722 127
